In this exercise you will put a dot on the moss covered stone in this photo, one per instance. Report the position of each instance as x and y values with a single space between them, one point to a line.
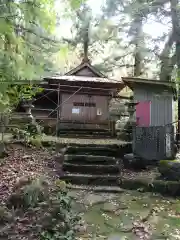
170 169
132 161
171 188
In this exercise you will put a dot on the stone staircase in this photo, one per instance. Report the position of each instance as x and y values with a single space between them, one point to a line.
93 165
85 133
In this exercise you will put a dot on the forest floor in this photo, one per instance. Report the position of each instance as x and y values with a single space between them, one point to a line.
126 215
129 215
23 167
22 161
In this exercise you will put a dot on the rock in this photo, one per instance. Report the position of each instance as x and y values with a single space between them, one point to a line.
81 228
132 161
115 237
170 169
109 207
92 199
58 158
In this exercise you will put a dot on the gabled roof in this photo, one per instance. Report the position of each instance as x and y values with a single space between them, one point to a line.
73 78
147 81
135 80
83 65
132 81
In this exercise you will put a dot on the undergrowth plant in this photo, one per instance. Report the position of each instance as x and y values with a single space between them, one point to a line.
31 138
62 219
35 192
49 201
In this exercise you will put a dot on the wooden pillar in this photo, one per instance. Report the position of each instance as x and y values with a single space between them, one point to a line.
58 111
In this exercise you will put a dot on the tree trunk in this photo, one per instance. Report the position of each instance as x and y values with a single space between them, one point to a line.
137 31
167 63
175 15
86 43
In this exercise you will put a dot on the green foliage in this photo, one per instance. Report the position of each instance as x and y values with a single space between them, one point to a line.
36 141
28 134
23 92
20 134
119 37
28 193
61 220
32 130
166 162
34 193
75 4
54 206
26 41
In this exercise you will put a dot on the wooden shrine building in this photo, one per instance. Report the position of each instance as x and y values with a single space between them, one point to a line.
78 99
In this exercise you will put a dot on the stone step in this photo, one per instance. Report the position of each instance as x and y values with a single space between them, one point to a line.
88 179
86 136
96 189
87 159
82 130
90 168
92 150
111 143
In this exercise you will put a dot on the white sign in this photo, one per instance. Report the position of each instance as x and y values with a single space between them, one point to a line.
75 110
99 112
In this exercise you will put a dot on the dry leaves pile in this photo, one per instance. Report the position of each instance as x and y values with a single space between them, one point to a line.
21 162
21 165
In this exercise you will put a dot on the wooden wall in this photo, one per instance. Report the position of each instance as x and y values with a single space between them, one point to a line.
88 111
162 111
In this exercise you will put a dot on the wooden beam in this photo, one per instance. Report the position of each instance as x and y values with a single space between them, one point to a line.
122 97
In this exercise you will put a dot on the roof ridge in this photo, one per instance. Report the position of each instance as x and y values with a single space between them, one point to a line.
81 66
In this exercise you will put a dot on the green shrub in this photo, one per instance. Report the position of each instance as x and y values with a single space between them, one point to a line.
28 194
20 134
34 193
60 219
27 133
36 141
50 203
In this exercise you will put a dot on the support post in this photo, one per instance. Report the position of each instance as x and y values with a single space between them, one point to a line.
58 110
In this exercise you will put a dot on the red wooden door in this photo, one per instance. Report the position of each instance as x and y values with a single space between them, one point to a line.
143 114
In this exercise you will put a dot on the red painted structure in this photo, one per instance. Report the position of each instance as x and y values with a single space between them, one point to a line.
143 114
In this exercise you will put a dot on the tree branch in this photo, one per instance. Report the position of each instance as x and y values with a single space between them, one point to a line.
28 30
167 47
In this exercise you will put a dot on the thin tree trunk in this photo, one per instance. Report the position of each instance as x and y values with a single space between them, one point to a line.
138 41
167 62
175 15
137 63
86 42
